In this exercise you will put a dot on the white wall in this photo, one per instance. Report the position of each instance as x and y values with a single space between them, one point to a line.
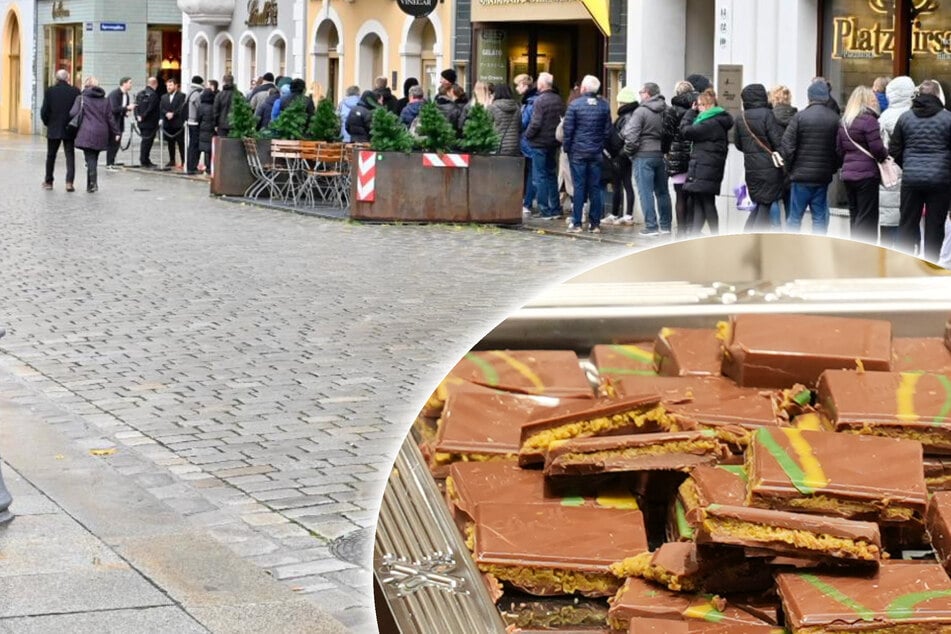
656 46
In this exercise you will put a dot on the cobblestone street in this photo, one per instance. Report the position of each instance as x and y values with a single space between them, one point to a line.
254 370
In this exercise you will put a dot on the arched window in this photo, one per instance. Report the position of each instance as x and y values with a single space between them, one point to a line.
277 57
200 57
248 70
371 59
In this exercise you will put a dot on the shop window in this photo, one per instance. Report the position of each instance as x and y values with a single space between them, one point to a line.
278 57
164 52
249 62
224 58
64 49
201 57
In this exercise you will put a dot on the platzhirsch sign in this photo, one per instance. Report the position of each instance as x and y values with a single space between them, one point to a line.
853 39
417 8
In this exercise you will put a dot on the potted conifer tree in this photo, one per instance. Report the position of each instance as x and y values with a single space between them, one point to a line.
230 173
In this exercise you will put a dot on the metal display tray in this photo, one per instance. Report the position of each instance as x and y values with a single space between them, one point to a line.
425 579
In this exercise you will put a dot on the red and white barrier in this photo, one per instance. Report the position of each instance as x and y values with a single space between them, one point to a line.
366 176
445 160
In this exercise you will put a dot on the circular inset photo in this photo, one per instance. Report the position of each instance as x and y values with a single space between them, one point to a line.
747 431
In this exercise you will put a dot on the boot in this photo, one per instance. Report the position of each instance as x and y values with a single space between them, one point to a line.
70 188
91 186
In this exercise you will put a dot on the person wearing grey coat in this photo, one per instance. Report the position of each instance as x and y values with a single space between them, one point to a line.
642 141
507 121
900 92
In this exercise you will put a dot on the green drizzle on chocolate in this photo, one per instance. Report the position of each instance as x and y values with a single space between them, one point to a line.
491 376
735 469
683 526
626 371
903 608
946 407
573 500
803 397
866 614
792 469
629 352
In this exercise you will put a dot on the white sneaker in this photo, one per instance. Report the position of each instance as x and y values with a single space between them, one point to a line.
573 228
627 219
610 219
526 212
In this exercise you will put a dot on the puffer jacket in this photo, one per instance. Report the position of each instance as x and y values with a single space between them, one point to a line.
451 110
587 127
528 106
784 114
507 121
757 125
360 117
546 114
223 101
643 133
710 144
900 92
809 145
921 143
677 157
864 132
98 126
206 120
410 112
343 111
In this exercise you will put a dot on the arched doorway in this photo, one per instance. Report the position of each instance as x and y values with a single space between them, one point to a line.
248 67
327 59
370 60
11 74
420 54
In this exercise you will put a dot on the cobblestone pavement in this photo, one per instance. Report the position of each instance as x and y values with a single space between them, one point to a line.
254 369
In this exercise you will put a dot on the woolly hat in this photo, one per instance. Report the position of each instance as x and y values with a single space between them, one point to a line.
627 95
449 75
298 85
284 81
196 80
268 77
818 92
699 82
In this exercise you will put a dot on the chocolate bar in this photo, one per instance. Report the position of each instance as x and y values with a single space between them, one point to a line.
672 451
723 485
915 406
599 418
938 473
687 352
547 549
855 477
778 351
665 626
920 354
617 360
939 527
564 614
899 597
674 565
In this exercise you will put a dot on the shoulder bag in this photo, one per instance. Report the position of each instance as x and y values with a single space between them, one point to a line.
777 158
77 119
889 170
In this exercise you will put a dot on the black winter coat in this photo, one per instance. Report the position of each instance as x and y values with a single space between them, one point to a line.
506 120
360 117
921 143
147 110
223 101
756 125
677 157
809 145
710 143
57 101
546 114
206 121
452 111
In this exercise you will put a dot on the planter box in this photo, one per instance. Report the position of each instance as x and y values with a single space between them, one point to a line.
489 190
230 173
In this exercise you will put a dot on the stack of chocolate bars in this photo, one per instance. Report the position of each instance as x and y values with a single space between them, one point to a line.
773 473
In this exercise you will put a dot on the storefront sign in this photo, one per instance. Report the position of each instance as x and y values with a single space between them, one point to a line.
723 28
729 85
855 38
112 26
417 8
60 11
265 16
492 63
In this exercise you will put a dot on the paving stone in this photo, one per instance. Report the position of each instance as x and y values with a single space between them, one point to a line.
156 620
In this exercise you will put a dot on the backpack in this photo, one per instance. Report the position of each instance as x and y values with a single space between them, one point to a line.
615 142
141 102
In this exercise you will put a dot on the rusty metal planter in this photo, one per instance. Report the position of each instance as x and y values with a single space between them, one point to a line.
489 190
230 173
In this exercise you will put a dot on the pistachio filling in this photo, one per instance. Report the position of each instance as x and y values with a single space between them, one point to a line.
817 542
598 426
547 581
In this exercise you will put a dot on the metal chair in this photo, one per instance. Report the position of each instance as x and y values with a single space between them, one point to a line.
329 176
286 162
263 178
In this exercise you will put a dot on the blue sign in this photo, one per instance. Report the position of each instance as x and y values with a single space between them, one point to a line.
112 26
89 26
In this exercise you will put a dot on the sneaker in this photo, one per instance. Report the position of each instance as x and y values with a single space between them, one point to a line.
47 186
526 212
573 228
665 232
648 233
595 229
610 219
627 219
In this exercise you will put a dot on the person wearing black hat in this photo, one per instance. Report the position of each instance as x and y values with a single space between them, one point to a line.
404 100
808 148
446 79
120 103
194 104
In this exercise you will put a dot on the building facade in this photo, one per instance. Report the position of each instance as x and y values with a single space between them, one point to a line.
246 39
16 68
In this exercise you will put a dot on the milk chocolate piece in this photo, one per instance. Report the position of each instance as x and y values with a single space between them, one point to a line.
482 424
900 597
674 565
785 533
640 598
617 360
724 485
855 477
598 418
915 406
780 350
545 549
920 354
938 473
672 451
641 625
566 614
687 352
939 527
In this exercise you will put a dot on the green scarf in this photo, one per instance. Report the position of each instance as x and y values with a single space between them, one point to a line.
707 114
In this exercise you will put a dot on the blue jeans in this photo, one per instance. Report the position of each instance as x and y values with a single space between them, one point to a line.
651 177
775 215
529 185
545 179
586 176
816 198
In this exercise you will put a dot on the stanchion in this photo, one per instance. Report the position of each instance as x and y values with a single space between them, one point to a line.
161 147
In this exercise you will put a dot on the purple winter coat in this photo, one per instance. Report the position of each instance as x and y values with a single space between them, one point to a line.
98 124
856 165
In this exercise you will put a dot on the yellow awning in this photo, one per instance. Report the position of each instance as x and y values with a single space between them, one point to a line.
600 11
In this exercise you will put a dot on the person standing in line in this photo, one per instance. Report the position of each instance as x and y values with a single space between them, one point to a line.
921 145
261 91
808 148
173 106
780 98
860 147
120 103
382 88
147 116
223 102
361 117
505 119
213 84
879 87
900 91
587 128
526 90
97 129
57 102
677 156
403 101
350 100
758 136
706 126
411 110
205 128
540 135
194 102
622 183
643 141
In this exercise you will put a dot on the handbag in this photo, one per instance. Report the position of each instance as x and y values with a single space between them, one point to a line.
77 120
888 169
776 157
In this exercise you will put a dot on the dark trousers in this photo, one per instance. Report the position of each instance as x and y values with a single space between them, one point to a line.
175 139
913 201
759 218
145 150
863 209
92 169
52 149
703 208
684 219
112 150
586 177
622 182
191 162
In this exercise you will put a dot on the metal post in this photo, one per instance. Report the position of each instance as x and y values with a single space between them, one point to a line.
5 497
161 146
